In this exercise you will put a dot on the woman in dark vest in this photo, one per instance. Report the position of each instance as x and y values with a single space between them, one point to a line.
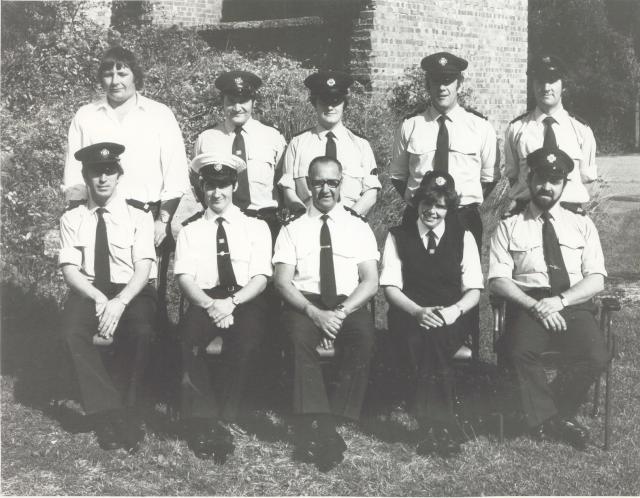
431 277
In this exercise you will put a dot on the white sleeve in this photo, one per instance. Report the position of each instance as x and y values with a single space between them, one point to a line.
391 274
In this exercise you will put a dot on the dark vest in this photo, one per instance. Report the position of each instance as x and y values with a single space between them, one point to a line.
431 280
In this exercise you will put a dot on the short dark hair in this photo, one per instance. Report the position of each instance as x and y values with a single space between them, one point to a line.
118 55
323 160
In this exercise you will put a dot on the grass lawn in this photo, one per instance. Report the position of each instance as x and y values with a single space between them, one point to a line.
51 451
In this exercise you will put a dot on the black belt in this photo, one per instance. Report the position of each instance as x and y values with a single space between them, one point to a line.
474 205
261 213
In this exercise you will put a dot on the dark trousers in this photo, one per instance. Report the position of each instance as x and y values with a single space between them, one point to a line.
428 371
110 377
354 348
240 352
583 356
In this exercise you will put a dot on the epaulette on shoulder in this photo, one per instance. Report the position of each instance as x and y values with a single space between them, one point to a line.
144 206
476 113
575 209
193 217
303 131
357 134
74 204
578 118
522 116
353 213
292 217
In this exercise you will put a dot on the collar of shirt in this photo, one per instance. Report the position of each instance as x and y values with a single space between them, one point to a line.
141 102
559 115
231 128
231 214
338 130
433 114
437 231
334 215
116 206
534 212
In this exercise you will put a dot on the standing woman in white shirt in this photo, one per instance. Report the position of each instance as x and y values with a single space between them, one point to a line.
154 162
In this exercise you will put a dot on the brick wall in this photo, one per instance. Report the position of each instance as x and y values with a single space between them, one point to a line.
186 12
391 35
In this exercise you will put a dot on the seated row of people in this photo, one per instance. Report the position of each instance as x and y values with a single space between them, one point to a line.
324 268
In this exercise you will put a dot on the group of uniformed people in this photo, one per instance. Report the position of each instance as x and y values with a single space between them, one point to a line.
239 264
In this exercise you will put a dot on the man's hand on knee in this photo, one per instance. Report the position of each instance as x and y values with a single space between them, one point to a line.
328 321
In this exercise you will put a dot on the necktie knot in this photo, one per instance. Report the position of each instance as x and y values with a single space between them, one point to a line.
441 119
219 220
324 218
548 120
330 135
546 216
238 130
101 212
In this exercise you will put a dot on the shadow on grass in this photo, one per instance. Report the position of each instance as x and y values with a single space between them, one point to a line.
35 355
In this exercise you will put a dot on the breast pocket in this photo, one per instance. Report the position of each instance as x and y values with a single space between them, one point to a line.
121 245
307 262
571 247
528 257
261 166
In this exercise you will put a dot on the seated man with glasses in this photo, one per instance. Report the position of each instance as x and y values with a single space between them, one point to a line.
326 272
431 277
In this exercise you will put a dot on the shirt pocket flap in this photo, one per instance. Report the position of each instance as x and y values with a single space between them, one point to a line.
240 252
524 245
466 147
420 146
570 240
121 239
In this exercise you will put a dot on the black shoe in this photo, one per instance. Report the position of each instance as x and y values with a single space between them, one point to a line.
207 438
570 431
427 446
440 441
542 432
331 451
129 425
108 436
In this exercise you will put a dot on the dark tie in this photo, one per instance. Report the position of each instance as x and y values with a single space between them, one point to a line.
441 157
549 135
101 253
327 273
431 246
330 150
242 196
558 276
225 270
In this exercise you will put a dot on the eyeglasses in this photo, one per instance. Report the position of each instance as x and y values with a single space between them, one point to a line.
331 183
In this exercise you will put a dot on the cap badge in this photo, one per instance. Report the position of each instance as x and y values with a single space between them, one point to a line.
238 81
551 158
104 153
331 82
546 60
441 181
217 167
443 61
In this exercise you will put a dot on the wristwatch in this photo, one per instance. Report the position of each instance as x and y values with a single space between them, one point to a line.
340 307
234 300
563 301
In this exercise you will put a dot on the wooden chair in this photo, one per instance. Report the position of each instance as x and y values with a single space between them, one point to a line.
607 306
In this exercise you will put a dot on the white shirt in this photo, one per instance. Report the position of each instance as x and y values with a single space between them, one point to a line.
154 161
359 172
129 232
472 152
525 135
470 268
264 146
352 240
517 250
249 242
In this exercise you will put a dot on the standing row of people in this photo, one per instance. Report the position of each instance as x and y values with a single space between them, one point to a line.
126 159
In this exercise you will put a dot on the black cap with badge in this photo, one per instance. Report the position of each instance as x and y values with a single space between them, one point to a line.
100 156
238 83
437 182
547 68
443 65
551 163
332 85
